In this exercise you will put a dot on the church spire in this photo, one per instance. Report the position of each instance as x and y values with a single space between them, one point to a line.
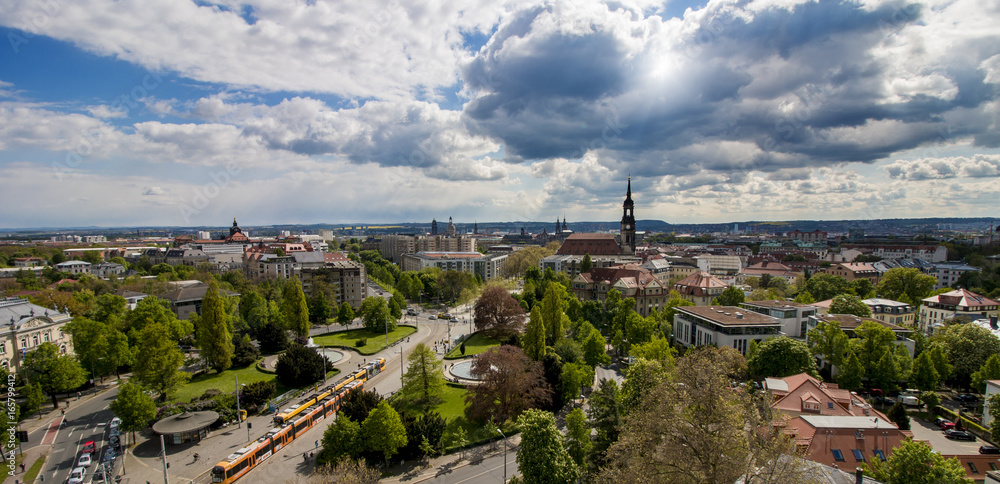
628 222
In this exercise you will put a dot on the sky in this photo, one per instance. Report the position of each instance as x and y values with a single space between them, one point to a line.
179 113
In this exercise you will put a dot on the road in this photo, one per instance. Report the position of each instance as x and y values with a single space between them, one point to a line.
87 420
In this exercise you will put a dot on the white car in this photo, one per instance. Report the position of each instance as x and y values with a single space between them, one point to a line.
76 476
84 461
115 422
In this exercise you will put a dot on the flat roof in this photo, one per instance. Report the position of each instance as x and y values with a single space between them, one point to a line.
730 315
778 304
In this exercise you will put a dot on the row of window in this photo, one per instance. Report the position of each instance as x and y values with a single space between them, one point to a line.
34 339
859 455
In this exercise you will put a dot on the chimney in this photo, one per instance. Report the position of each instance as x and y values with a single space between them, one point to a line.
859 476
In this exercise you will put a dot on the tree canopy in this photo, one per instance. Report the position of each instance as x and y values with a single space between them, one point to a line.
383 430
510 383
781 357
498 314
55 372
916 463
375 313
541 457
849 304
907 285
423 382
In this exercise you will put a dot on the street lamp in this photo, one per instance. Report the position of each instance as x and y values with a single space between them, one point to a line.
239 422
504 454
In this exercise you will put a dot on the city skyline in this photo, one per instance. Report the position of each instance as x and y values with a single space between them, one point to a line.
183 114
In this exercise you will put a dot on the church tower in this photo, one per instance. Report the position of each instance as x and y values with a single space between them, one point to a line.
628 222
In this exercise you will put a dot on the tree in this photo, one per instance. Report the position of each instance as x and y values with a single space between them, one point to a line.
160 362
254 310
823 286
989 371
383 430
605 414
940 360
244 352
451 283
110 309
213 335
642 377
577 440
510 383
805 298
534 336
909 282
134 407
552 312
693 428
897 413
340 439
423 383
969 346
346 471
781 357
658 349
346 314
99 346
594 349
916 462
272 337
574 377
732 296
152 309
829 342
541 458
872 342
849 304
295 308
56 373
498 314
931 399
258 392
299 366
923 375
319 307
586 264
852 373
34 397
375 313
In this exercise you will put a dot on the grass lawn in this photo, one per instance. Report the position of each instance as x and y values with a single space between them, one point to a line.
476 344
453 411
34 469
225 381
376 339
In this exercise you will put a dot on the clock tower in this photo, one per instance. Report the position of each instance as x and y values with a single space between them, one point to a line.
628 222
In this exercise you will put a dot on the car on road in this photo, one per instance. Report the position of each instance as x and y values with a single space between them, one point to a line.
412 312
84 461
959 435
966 398
432 317
88 447
76 475
453 319
115 423
988 449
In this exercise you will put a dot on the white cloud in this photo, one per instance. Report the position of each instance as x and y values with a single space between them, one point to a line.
976 166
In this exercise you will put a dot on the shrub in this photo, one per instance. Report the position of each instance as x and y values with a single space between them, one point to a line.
258 393
361 342
299 366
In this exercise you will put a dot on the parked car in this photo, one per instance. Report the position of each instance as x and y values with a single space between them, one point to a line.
88 447
958 435
84 461
115 423
988 449
966 398
946 425
76 475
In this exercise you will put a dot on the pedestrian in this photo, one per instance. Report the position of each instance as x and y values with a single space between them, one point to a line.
78 394
41 477
314 443
22 467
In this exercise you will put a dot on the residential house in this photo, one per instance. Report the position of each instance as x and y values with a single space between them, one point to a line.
802 394
132 298
848 323
853 271
188 299
700 288
105 270
947 273
29 261
772 269
893 312
74 267
346 277
844 441
722 326
792 315
961 302
630 280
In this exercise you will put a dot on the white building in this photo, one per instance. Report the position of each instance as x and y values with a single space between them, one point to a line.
74 267
27 326
722 326
948 273
792 315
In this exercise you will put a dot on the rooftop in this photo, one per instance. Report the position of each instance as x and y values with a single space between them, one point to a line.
730 315
847 422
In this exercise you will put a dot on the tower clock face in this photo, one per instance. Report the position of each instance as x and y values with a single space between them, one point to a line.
628 227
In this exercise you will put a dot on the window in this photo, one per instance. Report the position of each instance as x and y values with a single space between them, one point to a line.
829 405
993 466
972 467
34 340
858 455
46 337
838 455
878 453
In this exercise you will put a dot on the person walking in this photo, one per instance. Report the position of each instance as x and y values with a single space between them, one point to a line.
314 443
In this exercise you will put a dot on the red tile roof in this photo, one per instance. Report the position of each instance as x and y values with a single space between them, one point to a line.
593 244
962 297
698 284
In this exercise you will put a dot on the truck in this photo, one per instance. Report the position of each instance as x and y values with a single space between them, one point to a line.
908 400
